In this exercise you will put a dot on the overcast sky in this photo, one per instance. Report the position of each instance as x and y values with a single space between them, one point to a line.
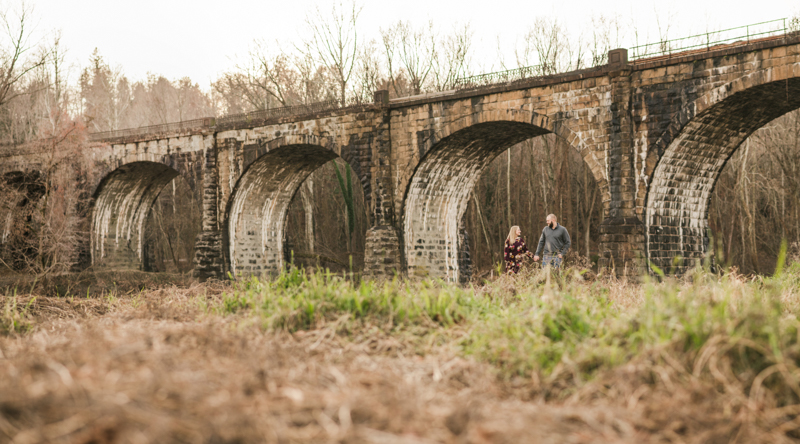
201 39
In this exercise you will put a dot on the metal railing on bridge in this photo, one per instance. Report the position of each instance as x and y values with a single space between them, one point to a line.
293 110
499 77
731 37
253 116
712 40
154 129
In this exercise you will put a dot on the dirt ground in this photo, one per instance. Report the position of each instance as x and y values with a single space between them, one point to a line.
159 370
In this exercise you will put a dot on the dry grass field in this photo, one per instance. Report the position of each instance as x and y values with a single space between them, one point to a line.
317 358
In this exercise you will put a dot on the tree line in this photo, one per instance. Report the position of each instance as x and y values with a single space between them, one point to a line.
41 100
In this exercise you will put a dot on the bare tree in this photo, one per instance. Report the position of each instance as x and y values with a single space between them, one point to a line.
606 35
227 97
46 234
314 80
156 97
452 58
586 199
545 44
159 100
17 57
409 52
664 23
334 42
171 228
369 73
307 199
275 73
192 103
269 76
756 199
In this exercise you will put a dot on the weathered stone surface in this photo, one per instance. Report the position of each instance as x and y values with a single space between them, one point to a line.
655 136
437 195
260 201
382 255
682 183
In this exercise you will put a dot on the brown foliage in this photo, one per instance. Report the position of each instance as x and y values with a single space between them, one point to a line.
152 367
43 232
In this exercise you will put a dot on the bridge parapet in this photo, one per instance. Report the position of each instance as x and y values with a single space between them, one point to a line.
154 130
232 121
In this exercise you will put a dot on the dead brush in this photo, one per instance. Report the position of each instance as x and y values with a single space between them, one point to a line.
794 253
15 317
313 357
710 395
725 369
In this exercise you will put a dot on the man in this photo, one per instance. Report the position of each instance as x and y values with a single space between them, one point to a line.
554 243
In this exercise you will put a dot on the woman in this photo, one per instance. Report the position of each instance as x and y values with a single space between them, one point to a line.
515 250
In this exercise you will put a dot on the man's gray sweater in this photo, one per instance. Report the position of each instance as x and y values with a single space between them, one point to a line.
554 241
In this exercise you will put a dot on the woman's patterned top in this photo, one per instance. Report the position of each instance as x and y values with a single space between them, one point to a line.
513 255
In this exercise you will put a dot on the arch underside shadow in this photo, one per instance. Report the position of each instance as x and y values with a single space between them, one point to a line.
121 205
437 195
683 181
257 213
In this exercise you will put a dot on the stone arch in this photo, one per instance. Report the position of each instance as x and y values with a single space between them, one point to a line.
452 161
121 203
712 98
186 162
557 127
261 197
691 153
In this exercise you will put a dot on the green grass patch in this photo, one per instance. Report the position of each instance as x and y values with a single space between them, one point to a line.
15 317
529 325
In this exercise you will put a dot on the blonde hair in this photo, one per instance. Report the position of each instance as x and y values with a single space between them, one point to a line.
512 235
552 216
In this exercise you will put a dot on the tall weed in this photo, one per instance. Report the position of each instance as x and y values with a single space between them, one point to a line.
15 317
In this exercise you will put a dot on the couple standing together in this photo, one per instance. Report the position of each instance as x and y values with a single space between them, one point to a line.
553 243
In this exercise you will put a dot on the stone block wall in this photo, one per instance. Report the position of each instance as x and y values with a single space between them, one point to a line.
382 255
439 150
261 168
655 134
437 195
129 177
209 258
692 117
682 184
258 213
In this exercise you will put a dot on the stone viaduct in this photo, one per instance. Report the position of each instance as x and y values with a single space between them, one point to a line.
655 133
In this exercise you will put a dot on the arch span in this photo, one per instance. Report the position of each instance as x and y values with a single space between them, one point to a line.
557 127
437 194
261 198
701 139
121 204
